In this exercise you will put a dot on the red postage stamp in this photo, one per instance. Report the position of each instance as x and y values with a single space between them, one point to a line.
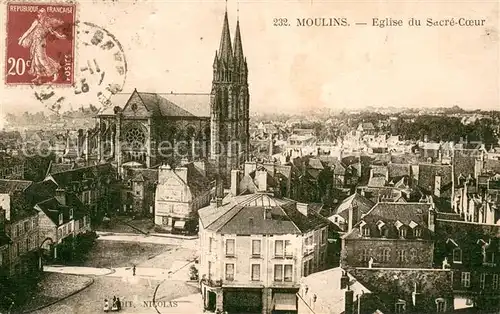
40 43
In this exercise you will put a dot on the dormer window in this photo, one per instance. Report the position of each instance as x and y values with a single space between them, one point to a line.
61 218
402 232
417 232
364 229
457 255
382 228
401 229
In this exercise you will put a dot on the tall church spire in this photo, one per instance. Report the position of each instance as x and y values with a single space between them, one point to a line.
225 49
238 46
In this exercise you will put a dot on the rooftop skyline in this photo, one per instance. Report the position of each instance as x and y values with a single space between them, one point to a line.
171 47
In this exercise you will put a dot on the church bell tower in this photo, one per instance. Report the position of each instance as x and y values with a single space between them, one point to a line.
229 104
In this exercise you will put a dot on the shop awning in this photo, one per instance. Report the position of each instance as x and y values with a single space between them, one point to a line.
179 224
285 302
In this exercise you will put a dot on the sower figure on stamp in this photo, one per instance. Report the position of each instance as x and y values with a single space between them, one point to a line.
35 39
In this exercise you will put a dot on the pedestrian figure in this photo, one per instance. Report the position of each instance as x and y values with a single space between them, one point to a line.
114 307
118 304
133 270
106 305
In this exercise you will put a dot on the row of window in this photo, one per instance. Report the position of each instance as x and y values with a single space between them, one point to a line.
24 227
483 280
282 272
400 306
384 232
384 255
64 230
488 257
282 248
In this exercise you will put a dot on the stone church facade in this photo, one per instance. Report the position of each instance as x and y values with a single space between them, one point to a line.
143 130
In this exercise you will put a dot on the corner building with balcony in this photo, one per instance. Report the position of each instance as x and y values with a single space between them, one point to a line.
254 250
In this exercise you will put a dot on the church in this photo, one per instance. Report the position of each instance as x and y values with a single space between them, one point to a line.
144 130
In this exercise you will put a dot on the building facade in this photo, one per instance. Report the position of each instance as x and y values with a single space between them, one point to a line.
392 235
179 194
254 250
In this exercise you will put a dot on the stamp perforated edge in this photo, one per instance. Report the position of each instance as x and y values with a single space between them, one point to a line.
76 16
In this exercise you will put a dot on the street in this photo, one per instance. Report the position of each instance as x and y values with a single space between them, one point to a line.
166 273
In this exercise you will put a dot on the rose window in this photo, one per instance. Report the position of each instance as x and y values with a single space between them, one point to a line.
135 138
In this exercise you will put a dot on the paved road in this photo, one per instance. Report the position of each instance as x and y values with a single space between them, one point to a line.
178 271
128 237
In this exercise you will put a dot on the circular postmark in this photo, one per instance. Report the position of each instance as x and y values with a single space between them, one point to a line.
100 72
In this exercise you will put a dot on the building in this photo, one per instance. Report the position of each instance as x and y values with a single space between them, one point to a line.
61 219
472 252
152 128
396 235
350 211
143 128
179 194
254 250
229 104
21 226
340 297
91 184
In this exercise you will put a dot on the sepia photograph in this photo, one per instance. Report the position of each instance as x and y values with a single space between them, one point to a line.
249 157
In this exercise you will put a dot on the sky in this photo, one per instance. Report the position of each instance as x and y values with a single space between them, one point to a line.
169 46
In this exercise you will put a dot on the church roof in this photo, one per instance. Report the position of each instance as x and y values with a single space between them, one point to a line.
166 104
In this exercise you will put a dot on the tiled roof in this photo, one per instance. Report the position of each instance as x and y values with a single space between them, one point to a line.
390 213
464 161
364 205
333 162
427 173
315 163
377 181
245 214
398 170
11 186
58 167
465 233
52 208
492 165
41 191
169 104
197 182
65 178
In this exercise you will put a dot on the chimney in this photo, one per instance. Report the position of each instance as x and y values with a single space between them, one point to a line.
437 185
344 281
219 192
349 302
61 196
431 224
302 208
353 216
235 182
261 178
